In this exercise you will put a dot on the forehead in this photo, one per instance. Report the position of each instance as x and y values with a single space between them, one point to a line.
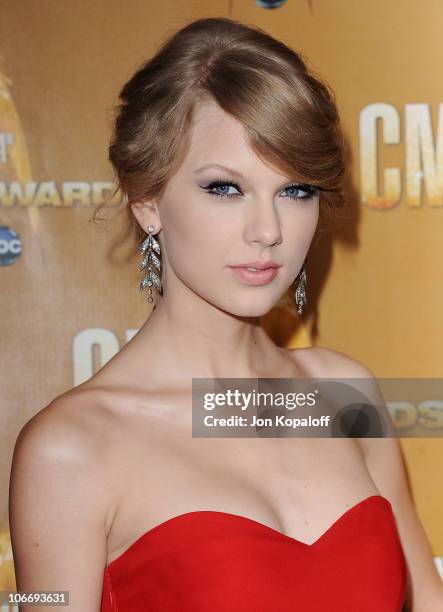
216 131
217 137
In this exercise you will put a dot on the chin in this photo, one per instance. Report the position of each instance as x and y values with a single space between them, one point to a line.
257 309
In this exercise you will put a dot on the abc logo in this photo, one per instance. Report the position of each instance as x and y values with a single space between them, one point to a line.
10 246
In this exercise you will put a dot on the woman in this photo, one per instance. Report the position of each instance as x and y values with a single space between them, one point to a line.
225 147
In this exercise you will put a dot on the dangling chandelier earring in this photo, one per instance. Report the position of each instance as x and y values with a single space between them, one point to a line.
300 291
150 246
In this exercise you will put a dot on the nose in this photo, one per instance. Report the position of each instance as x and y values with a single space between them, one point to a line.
262 223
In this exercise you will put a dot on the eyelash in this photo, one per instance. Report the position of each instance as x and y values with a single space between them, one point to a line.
309 189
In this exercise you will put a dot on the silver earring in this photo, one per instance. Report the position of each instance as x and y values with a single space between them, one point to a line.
150 246
300 291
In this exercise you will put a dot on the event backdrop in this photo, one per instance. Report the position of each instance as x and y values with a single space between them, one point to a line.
69 289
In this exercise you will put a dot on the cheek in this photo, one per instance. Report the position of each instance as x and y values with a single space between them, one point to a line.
193 243
299 228
312 220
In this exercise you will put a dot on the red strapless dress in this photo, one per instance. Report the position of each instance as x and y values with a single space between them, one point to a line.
210 561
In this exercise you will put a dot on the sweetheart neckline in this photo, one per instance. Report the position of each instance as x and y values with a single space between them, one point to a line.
249 520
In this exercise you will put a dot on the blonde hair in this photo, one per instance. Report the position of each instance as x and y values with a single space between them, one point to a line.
289 115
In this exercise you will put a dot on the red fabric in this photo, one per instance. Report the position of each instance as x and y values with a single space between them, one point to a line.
210 561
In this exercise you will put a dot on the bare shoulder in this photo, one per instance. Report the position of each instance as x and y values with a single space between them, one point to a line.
73 433
71 426
60 500
323 362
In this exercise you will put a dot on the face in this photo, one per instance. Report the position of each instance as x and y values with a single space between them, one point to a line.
212 218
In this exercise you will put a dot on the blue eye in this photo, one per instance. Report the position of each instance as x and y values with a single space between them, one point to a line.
309 191
220 185
219 189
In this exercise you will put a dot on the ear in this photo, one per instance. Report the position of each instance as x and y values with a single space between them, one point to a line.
146 213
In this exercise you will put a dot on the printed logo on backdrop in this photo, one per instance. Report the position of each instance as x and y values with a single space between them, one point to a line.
16 185
10 246
422 172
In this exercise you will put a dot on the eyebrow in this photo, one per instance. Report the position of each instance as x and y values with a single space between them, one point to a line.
225 168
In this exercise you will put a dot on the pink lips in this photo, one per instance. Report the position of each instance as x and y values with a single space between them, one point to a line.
260 265
266 271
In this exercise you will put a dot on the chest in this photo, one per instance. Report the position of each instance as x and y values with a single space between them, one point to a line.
295 486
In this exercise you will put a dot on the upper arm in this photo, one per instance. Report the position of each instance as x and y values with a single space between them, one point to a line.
56 509
384 461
